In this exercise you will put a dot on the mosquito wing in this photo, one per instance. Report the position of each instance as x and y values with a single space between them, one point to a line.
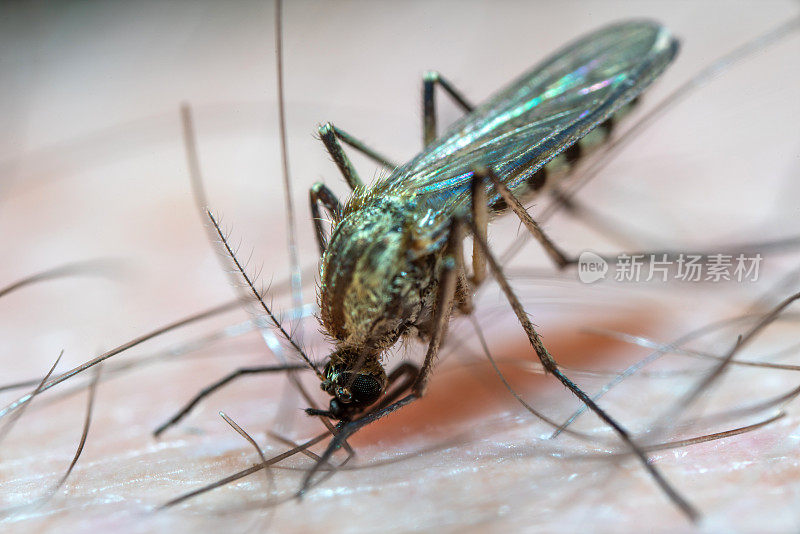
532 120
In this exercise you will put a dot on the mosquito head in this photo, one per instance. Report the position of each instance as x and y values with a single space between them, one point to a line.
354 381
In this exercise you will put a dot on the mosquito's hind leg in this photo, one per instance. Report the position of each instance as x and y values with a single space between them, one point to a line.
482 175
227 379
331 135
429 81
551 366
320 194
480 218
467 284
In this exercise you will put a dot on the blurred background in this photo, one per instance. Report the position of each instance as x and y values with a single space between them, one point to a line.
92 166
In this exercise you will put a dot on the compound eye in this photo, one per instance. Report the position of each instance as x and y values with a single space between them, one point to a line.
366 389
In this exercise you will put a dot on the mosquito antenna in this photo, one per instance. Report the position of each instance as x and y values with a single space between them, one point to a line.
278 325
201 203
197 182
198 187
259 298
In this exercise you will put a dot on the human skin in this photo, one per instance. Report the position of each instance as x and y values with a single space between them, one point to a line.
93 167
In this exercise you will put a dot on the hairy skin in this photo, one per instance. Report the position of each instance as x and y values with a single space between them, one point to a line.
92 166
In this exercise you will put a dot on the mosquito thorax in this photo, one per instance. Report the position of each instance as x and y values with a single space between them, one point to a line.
373 290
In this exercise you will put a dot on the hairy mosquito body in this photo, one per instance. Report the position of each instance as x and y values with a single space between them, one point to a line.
394 264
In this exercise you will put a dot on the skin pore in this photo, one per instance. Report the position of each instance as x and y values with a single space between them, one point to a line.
94 168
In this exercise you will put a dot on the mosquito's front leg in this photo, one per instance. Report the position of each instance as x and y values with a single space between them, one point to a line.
480 218
451 266
466 285
331 135
320 194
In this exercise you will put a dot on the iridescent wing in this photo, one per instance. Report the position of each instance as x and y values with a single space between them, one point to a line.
542 113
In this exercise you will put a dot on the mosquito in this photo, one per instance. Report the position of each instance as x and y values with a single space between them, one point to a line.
451 190
393 267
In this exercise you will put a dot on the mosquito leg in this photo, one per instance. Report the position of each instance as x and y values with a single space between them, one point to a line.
466 285
442 311
331 135
429 80
551 366
320 194
555 253
444 303
464 294
348 429
208 390
480 216
365 149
